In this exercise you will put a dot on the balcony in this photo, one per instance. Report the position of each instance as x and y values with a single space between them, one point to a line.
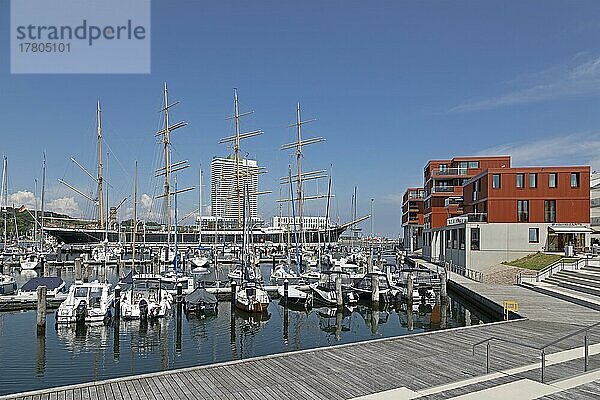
442 189
449 172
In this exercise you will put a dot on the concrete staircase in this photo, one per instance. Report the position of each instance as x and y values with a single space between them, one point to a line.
580 286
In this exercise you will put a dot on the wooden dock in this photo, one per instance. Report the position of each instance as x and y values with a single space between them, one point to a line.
430 362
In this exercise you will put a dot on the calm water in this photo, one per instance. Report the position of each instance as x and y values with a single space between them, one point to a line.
78 354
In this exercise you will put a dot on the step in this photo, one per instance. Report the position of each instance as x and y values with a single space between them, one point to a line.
526 389
593 268
579 279
559 357
573 296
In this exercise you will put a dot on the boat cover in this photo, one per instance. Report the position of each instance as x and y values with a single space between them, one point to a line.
51 283
200 295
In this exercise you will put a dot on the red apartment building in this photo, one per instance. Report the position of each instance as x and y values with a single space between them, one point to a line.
412 218
500 213
443 184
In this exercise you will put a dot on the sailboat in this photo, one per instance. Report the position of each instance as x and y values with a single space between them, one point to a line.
250 296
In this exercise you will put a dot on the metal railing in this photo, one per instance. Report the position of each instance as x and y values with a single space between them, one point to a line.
542 349
560 265
442 189
449 171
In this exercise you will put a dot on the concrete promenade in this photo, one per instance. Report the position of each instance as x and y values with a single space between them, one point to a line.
429 365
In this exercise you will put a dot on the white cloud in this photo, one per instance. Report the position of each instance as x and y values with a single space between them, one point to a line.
22 198
580 76
568 149
65 205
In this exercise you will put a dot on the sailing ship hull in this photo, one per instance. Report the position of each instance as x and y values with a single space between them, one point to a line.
91 236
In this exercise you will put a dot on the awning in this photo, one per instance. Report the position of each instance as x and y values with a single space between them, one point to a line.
570 229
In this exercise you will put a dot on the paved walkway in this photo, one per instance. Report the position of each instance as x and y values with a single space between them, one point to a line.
417 362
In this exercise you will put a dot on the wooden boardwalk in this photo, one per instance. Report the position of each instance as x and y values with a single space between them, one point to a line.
416 362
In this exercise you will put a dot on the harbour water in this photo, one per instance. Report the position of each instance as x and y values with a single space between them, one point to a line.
70 355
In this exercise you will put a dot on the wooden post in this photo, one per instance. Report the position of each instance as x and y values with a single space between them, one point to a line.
273 267
233 292
286 288
117 302
45 266
78 269
41 310
179 293
339 295
375 288
156 264
409 288
443 286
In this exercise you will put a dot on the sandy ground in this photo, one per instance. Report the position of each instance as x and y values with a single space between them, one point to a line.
504 274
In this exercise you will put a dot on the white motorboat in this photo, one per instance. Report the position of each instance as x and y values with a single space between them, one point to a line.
199 261
8 285
281 273
145 298
295 295
86 302
55 287
170 280
251 297
32 261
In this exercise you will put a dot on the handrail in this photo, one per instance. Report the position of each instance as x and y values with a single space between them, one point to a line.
542 348
570 335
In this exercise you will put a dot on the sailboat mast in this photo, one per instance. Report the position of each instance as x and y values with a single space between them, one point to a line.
135 185
43 201
100 185
299 178
237 153
327 208
200 210
5 200
166 143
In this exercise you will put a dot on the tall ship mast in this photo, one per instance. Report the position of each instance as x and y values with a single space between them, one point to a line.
77 231
169 167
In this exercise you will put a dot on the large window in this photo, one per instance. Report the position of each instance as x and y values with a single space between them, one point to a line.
534 235
550 210
552 180
461 238
532 180
520 180
473 164
574 179
475 239
443 167
522 210
496 181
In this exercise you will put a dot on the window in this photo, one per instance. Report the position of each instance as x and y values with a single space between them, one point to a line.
552 181
454 238
534 235
473 164
522 210
550 210
461 239
574 179
443 167
520 180
475 189
532 180
496 181
474 238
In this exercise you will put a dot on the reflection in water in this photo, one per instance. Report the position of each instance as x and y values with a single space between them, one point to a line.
74 354
40 353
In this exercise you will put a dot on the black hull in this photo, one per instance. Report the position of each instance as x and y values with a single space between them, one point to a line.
92 236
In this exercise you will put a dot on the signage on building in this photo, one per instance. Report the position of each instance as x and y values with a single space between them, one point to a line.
458 220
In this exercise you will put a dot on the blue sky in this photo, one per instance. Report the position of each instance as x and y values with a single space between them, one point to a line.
391 83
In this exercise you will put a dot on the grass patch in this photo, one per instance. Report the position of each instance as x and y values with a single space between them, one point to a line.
536 261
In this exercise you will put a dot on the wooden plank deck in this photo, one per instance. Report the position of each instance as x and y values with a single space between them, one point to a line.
417 361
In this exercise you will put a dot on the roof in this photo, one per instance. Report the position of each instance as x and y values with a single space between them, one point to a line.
51 283
200 295
570 229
